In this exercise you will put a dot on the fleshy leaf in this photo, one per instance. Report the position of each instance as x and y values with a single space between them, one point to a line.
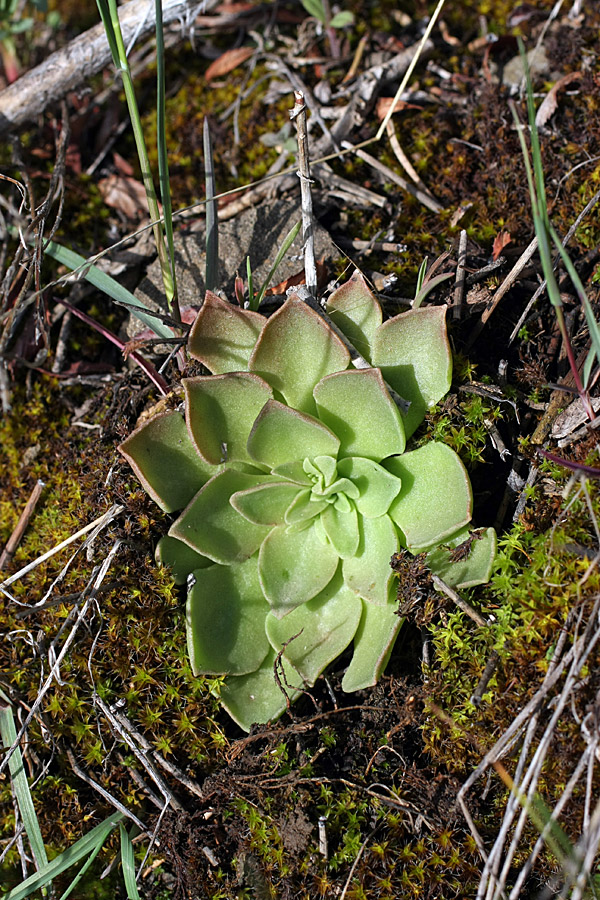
282 435
376 485
413 353
357 406
304 507
265 504
294 568
221 410
368 573
159 451
475 568
212 527
225 617
292 471
356 312
257 698
435 500
323 627
373 644
295 350
342 529
223 335
181 559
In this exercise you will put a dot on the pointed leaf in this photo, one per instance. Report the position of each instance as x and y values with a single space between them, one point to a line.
257 698
166 462
357 406
324 627
356 312
368 573
265 504
294 568
212 527
475 568
181 559
293 471
413 353
373 644
435 499
282 435
220 412
376 485
342 530
226 613
223 335
296 348
304 507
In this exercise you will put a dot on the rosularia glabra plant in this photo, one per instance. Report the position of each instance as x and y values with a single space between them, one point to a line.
296 488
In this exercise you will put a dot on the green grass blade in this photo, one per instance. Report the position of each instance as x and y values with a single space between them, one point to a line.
211 278
8 735
289 240
128 863
84 847
250 283
81 872
592 323
109 29
108 286
554 837
161 146
429 287
540 220
421 275
113 26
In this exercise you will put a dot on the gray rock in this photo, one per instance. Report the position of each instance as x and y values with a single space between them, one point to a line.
258 232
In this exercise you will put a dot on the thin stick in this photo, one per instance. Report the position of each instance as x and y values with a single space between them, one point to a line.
423 196
298 114
459 287
503 289
55 669
462 604
19 530
410 70
103 792
97 523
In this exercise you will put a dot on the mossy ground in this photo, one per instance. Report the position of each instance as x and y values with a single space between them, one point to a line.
382 768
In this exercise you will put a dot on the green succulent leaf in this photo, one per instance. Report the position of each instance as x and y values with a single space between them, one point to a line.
342 19
304 507
281 434
266 504
357 406
315 634
294 568
373 644
212 527
159 451
476 566
257 697
221 410
223 335
225 616
181 559
293 471
296 348
413 353
341 527
368 572
356 312
435 499
377 487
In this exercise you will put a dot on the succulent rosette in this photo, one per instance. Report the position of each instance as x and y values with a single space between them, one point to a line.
296 487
